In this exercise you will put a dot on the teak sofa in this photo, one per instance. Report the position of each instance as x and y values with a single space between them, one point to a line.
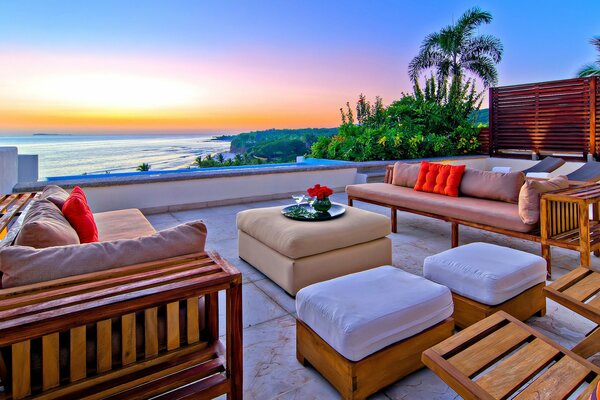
482 213
146 329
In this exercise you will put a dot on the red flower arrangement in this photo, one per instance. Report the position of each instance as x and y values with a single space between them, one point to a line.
320 192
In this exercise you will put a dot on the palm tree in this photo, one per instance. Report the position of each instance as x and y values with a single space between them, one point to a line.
456 49
592 69
143 167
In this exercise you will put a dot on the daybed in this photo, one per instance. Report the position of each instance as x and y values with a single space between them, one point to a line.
487 200
134 315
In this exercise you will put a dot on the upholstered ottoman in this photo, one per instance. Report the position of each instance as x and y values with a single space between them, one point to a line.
485 278
295 254
366 330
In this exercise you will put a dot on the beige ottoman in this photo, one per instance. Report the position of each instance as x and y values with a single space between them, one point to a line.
295 254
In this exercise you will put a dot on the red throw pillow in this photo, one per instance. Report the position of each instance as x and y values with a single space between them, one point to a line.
79 215
439 178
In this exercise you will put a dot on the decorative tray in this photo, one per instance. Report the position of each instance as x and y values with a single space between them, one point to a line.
304 212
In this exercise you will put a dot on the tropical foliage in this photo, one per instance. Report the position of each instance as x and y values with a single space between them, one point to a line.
456 50
209 161
592 69
434 121
143 167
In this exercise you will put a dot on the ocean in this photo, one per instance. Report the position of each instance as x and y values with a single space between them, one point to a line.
61 155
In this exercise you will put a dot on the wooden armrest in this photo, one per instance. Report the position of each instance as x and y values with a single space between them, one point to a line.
114 306
389 173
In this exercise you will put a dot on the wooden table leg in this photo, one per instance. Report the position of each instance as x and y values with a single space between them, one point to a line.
547 255
584 235
455 235
590 345
394 217
596 217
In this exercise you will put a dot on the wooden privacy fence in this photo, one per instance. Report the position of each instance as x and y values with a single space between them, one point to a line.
546 117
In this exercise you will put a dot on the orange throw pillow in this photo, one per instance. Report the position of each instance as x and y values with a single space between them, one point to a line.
79 215
439 178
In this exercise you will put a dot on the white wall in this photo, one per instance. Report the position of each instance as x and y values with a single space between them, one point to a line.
177 195
8 169
28 168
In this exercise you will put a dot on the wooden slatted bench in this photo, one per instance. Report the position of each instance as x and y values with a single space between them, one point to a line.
49 330
12 209
500 357
579 291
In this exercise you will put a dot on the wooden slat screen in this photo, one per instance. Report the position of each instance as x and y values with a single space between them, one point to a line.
484 140
553 117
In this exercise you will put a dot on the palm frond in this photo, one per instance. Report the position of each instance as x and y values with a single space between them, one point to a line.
589 70
484 68
596 42
424 60
471 19
486 45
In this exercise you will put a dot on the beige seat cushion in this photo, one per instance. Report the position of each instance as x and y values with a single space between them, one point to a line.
122 224
45 226
296 239
495 213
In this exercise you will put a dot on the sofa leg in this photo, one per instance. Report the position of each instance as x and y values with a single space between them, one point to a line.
455 235
547 255
394 217
350 202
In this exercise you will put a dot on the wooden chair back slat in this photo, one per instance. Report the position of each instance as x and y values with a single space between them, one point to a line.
151 332
128 339
77 353
103 345
21 369
193 320
173 337
50 361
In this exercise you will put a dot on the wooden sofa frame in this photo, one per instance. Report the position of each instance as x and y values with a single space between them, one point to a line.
533 236
79 337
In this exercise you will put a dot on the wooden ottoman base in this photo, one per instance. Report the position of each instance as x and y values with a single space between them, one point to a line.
523 306
359 379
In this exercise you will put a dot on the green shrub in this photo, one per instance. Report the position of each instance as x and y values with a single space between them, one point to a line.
437 121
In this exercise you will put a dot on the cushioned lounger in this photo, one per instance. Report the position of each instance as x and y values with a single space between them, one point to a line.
548 164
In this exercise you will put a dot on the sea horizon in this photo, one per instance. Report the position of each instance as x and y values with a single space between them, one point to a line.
81 154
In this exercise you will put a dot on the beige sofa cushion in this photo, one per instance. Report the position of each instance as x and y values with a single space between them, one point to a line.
45 226
296 239
55 194
405 174
531 191
495 213
24 265
492 185
122 224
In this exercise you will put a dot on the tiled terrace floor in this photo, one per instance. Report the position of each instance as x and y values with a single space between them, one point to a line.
270 367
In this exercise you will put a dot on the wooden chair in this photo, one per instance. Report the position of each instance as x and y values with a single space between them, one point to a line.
147 330
500 357
576 291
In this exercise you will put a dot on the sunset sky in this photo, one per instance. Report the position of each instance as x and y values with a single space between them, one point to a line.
224 66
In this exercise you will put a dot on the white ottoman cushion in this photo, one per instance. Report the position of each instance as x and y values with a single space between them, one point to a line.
485 272
361 313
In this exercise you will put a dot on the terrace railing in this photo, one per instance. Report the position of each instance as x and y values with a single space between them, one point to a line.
546 117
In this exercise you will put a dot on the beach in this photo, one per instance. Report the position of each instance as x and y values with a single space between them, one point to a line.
63 155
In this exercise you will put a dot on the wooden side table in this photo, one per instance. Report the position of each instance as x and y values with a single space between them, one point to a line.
565 221
576 291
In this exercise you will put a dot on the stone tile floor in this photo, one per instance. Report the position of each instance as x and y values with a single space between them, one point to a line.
270 367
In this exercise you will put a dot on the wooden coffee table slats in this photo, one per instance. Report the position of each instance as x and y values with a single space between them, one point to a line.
579 291
501 357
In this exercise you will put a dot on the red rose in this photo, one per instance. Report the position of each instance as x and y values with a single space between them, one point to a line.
320 192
